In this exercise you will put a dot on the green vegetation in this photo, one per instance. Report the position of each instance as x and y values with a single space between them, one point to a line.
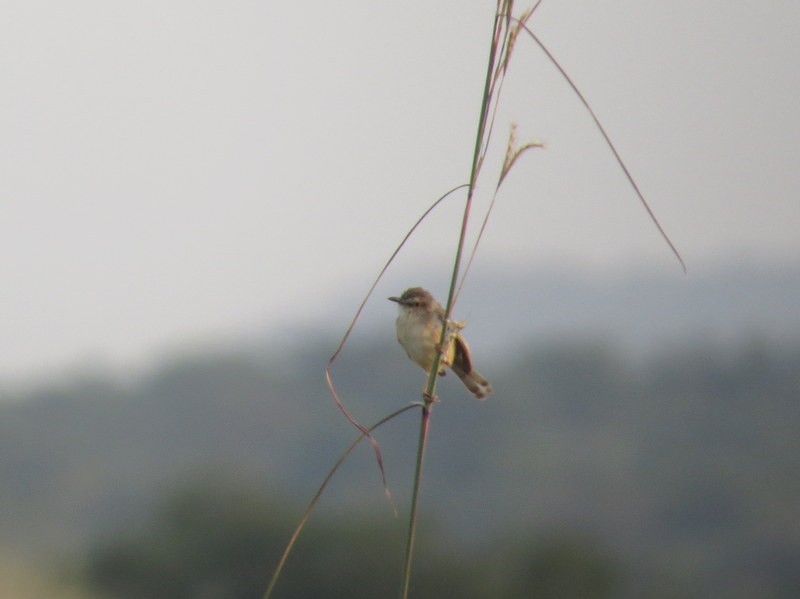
214 541
617 474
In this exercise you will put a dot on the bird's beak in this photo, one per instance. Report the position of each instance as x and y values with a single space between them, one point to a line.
395 299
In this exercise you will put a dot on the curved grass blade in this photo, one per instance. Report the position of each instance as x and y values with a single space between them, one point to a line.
328 377
307 513
608 141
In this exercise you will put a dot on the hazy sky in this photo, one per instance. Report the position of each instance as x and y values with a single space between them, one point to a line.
173 171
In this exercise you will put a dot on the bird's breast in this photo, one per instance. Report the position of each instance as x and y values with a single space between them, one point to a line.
419 336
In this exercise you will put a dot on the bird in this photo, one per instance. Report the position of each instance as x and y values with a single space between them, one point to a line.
419 330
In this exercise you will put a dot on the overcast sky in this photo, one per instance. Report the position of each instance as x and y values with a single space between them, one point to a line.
173 171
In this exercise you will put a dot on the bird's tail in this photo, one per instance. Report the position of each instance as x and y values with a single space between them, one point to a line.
475 382
462 366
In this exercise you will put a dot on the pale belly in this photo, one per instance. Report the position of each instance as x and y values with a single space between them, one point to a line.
419 338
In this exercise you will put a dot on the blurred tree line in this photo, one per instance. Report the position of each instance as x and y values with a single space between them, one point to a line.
211 541
590 472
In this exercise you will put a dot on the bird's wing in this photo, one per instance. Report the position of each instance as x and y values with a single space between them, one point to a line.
439 310
463 357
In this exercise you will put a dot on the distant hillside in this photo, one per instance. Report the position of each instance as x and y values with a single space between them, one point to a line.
686 465
638 311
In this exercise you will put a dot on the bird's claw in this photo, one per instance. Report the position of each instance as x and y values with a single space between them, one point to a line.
429 398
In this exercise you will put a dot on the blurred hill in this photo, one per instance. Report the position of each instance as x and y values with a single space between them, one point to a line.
682 464
639 310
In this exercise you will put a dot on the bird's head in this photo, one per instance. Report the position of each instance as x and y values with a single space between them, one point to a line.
415 298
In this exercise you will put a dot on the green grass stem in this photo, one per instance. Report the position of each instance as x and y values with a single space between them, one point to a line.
429 396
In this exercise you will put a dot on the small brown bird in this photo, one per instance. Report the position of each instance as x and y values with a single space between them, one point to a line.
419 329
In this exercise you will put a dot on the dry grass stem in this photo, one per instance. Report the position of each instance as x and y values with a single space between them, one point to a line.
513 152
504 41
307 513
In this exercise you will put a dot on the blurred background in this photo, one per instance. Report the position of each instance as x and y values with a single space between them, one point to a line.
195 199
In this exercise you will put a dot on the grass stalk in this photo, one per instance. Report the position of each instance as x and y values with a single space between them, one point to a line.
412 522
504 33
429 396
